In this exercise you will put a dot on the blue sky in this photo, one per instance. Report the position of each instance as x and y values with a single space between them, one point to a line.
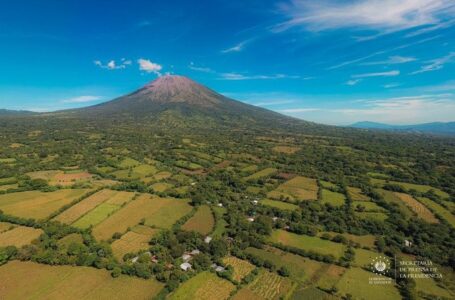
329 61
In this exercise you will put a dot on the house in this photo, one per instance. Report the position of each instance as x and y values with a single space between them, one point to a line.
208 239
219 269
250 219
185 266
407 243
154 259
195 252
220 204
186 257
275 219
135 259
255 202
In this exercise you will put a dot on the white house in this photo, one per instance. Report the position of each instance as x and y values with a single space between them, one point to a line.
251 219
195 252
208 239
185 266
220 204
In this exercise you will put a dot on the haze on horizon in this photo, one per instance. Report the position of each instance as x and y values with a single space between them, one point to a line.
332 62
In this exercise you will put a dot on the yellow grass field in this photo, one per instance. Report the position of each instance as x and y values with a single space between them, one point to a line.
76 211
133 241
357 195
27 280
241 267
263 173
298 188
5 226
120 198
144 207
38 205
421 210
201 222
19 236
203 286
266 285
57 177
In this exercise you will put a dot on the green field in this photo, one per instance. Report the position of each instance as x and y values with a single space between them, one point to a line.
279 204
333 198
203 286
392 198
307 243
266 285
355 282
367 240
95 216
167 215
378 216
439 210
220 224
261 174
128 163
411 186
368 206
363 257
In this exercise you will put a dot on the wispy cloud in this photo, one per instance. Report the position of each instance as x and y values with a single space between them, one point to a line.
82 99
391 85
431 28
148 66
299 110
392 60
377 15
353 81
113 65
194 67
377 74
436 64
273 103
237 76
237 48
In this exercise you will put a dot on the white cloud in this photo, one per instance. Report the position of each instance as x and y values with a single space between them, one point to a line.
112 65
82 99
378 74
272 103
299 110
353 81
237 48
431 28
436 64
392 60
391 85
378 15
237 76
149 66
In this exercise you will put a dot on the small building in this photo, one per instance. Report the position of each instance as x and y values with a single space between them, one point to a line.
154 259
208 239
255 202
407 243
250 219
219 269
185 266
135 259
186 257
275 219
220 204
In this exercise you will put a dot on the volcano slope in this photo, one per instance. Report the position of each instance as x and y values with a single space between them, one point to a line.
172 149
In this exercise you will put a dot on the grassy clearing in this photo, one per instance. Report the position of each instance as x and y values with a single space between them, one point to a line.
128 163
250 168
421 210
5 226
201 222
308 243
120 198
19 236
220 224
410 186
168 214
38 205
8 187
368 206
69 239
188 165
144 207
241 267
333 198
429 287
327 185
286 149
161 186
363 240
298 188
8 180
145 170
203 286
58 177
261 174
7 160
78 210
27 280
133 241
439 210
392 198
363 257
266 285
357 195
355 282
279 204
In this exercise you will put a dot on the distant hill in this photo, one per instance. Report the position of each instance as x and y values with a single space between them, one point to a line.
7 112
440 128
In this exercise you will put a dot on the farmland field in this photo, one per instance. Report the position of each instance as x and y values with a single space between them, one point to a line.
298 188
19 236
392 198
4 226
27 280
203 286
279 204
38 205
364 257
363 240
167 215
411 186
355 282
266 285
133 241
144 207
285 149
96 215
201 222
378 216
368 206
333 198
241 267
357 195
261 174
161 186
438 209
57 177
307 243
421 210
220 224
76 211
